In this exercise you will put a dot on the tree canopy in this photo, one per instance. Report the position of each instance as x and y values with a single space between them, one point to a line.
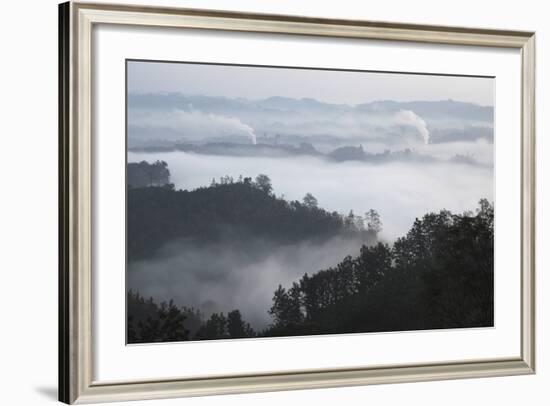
241 208
440 275
141 174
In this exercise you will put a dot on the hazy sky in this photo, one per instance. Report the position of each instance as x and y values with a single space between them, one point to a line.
323 85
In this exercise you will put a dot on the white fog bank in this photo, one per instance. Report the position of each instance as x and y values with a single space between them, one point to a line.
399 191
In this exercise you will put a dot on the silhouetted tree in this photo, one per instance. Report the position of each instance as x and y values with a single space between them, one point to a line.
264 183
214 328
236 327
310 201
149 322
143 174
374 223
286 309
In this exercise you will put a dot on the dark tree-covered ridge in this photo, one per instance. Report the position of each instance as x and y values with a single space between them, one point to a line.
148 322
230 208
143 174
440 275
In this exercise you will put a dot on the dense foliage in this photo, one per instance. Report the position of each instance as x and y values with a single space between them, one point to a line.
142 174
149 322
238 209
440 275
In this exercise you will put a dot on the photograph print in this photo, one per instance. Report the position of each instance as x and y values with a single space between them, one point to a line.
282 201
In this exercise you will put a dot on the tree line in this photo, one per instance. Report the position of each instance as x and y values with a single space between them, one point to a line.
241 208
439 275
143 174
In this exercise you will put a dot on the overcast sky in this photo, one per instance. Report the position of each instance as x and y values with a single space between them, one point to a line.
323 85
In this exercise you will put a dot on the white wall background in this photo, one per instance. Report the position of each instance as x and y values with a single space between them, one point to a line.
28 203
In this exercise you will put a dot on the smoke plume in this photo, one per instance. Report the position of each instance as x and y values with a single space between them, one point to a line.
193 125
408 117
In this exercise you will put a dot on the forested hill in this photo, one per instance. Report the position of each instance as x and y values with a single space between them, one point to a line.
230 210
440 275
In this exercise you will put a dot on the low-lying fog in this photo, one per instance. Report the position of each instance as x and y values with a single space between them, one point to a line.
435 152
232 274
399 191
244 274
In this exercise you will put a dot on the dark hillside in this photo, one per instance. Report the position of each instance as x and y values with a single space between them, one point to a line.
238 210
440 275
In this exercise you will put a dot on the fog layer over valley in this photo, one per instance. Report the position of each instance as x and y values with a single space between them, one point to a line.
228 274
240 270
399 191
303 213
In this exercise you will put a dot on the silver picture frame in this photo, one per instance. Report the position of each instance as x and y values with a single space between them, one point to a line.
76 352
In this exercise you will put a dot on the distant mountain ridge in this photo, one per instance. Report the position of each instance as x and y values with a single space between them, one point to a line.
341 154
217 104
165 119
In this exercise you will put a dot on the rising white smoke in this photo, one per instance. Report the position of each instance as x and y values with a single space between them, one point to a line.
408 117
228 125
193 124
249 130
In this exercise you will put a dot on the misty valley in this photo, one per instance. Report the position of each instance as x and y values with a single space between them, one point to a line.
272 202
231 259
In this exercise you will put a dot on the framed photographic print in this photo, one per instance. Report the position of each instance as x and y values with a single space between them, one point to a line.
264 202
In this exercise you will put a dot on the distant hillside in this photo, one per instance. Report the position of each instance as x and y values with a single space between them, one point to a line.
260 149
188 118
434 109
234 210
345 153
224 105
